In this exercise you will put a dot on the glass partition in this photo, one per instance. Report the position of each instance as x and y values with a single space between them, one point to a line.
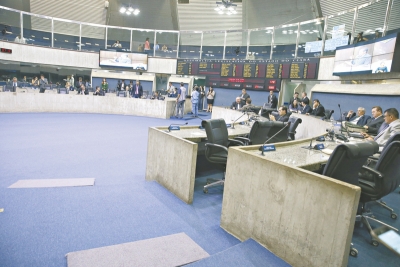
189 46
139 39
93 38
37 30
394 21
311 32
213 45
260 43
338 26
118 38
66 35
236 45
10 26
285 41
370 28
166 44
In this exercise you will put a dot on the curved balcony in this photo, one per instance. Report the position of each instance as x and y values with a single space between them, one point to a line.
313 38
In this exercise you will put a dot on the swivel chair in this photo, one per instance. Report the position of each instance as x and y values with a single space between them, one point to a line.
63 90
345 162
294 122
328 113
217 149
378 182
261 131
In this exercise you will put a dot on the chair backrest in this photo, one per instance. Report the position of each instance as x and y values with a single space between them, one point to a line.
261 131
393 138
294 122
255 109
347 160
216 131
328 113
62 90
389 165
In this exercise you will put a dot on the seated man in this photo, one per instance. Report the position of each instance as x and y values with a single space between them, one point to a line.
392 124
283 116
361 119
155 95
248 105
237 104
306 109
318 109
82 90
376 121
98 91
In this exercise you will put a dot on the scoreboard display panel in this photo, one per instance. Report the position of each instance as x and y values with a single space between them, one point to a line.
250 74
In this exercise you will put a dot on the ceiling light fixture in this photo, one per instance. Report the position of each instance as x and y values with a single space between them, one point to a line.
226 7
129 10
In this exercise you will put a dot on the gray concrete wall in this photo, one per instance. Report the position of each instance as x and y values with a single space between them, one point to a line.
304 218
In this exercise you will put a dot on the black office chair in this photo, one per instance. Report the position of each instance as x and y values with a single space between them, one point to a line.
266 110
328 113
294 122
8 88
345 162
261 131
378 182
217 148
121 94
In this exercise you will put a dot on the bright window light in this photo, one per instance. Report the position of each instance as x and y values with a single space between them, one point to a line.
131 9
122 10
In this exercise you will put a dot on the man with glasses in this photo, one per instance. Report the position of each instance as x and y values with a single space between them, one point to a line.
392 124
283 116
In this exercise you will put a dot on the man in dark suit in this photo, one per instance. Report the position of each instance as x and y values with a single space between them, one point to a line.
295 97
304 98
376 121
283 116
42 83
14 83
272 100
82 90
361 119
306 109
243 97
237 104
318 109
137 90
122 86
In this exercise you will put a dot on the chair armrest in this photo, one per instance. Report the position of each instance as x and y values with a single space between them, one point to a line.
236 142
372 171
244 140
217 146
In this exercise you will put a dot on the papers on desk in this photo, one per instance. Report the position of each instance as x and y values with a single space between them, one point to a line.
327 151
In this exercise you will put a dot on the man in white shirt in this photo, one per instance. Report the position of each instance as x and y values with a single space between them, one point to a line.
14 84
180 102
171 89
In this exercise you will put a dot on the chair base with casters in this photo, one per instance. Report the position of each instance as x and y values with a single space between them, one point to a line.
353 251
393 215
213 182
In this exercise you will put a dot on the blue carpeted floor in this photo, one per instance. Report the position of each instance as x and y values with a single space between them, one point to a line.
39 226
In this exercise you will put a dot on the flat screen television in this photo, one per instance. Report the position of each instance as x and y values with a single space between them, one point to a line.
375 56
123 59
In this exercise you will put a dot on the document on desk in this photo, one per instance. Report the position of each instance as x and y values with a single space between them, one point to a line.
327 151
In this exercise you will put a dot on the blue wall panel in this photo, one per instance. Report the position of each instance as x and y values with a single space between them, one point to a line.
352 102
225 97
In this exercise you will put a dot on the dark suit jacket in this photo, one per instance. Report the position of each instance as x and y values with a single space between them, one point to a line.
273 101
284 118
86 92
306 100
375 124
140 90
235 105
122 86
243 98
14 89
306 109
362 121
319 111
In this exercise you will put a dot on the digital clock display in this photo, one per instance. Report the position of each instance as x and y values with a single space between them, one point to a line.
6 50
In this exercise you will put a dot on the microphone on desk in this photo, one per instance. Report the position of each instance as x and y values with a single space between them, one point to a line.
176 124
233 123
341 119
269 139
310 146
